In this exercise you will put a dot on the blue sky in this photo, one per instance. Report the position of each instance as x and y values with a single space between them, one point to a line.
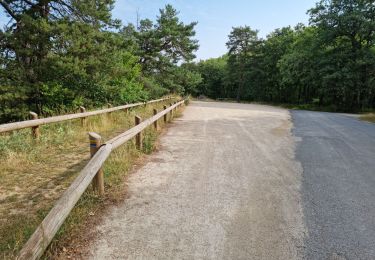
216 17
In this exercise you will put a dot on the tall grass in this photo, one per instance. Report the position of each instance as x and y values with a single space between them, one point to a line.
35 173
369 117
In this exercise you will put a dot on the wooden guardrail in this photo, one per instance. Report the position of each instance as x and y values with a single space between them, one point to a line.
43 235
35 123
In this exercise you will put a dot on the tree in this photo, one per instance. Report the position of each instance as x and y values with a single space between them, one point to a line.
41 34
241 45
330 63
162 45
185 80
300 68
347 32
56 55
268 75
211 74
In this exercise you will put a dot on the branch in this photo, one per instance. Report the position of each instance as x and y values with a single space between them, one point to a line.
29 2
9 10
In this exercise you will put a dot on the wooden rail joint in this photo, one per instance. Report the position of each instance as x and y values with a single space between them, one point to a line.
35 129
83 119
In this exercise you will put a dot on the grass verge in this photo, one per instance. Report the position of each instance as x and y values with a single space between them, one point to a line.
368 117
35 173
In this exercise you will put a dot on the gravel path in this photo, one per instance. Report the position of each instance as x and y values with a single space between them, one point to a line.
240 181
224 185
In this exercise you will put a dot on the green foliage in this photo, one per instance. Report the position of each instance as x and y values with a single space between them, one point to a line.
242 45
153 88
297 68
213 73
161 46
347 36
12 103
184 80
329 64
56 55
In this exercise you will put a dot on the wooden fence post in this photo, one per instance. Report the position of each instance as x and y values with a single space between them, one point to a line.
109 105
165 116
83 119
98 181
171 113
138 137
156 122
35 129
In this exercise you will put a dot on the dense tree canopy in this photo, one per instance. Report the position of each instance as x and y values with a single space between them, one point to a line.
161 46
242 44
330 63
56 55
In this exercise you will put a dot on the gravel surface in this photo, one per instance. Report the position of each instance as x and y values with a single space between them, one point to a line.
240 181
224 185
338 186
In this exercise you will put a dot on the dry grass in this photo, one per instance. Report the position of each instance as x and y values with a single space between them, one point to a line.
35 173
369 117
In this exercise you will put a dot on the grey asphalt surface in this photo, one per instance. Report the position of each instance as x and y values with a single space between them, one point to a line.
337 153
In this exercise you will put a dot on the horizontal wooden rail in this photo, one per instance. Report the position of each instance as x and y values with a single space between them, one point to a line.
126 136
55 119
43 235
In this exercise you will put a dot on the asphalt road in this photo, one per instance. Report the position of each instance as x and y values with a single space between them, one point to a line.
240 181
337 153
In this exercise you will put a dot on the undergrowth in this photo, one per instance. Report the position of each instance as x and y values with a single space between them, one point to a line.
35 173
369 117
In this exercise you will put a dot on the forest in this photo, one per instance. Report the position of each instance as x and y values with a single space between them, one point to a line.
56 55
329 64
